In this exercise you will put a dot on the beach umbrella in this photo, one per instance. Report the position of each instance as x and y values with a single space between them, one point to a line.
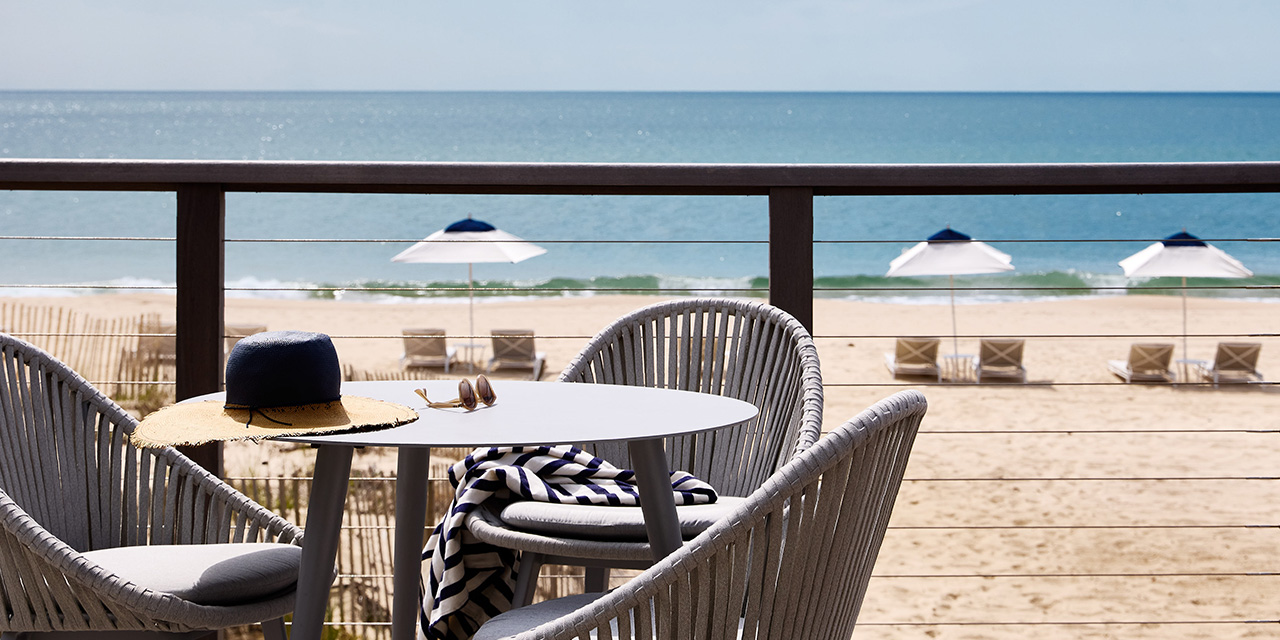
470 241
1183 255
950 253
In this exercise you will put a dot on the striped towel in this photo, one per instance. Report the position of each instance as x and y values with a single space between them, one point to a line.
468 582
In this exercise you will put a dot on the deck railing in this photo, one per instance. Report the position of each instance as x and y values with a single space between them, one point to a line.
788 193
201 188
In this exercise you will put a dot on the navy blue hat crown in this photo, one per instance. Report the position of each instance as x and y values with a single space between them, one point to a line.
283 369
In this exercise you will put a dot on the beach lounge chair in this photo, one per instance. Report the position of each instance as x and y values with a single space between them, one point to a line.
427 348
237 332
1234 362
514 348
745 350
99 535
1148 362
914 357
1000 358
791 560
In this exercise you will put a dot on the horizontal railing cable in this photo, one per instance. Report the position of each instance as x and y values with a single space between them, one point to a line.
904 241
1031 384
1070 623
1136 574
1073 527
821 336
1099 479
1025 432
659 290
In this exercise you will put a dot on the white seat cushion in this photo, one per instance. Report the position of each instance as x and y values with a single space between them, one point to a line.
597 522
209 574
516 621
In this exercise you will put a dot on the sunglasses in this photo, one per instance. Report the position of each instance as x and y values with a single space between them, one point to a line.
468 397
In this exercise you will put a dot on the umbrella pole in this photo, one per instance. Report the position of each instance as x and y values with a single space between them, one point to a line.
471 306
1185 354
955 333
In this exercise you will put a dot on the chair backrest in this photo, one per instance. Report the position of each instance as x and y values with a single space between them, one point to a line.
1237 356
1150 356
237 332
793 561
916 351
428 343
736 348
70 482
1000 352
513 345
65 457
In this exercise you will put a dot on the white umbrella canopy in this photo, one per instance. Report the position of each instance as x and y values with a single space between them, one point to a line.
1183 255
470 241
1186 256
950 253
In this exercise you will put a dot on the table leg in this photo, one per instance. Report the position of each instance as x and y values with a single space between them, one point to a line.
412 465
320 540
653 478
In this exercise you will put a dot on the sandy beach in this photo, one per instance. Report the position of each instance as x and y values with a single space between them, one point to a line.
1007 483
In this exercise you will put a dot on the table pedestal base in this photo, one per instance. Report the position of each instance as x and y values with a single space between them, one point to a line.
320 539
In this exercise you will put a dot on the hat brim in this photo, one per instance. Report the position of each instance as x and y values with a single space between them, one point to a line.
202 422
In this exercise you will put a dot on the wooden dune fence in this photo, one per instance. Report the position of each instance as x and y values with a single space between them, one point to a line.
123 357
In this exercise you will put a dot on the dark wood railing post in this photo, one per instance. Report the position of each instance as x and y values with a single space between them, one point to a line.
200 269
791 252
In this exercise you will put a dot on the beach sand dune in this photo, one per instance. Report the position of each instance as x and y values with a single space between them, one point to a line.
1081 501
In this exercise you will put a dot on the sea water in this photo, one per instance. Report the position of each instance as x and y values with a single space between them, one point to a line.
721 239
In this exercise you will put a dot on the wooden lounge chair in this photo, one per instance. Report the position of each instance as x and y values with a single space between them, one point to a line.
427 348
514 348
98 535
1234 362
1148 362
792 560
1000 358
745 350
914 357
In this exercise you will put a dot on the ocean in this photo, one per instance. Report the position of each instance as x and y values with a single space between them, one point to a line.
857 237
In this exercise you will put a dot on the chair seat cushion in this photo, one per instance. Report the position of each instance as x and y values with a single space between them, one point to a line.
515 621
599 522
208 574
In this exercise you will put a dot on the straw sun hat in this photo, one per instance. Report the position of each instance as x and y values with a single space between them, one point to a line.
279 383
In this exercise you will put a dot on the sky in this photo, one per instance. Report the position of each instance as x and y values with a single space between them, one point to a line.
655 45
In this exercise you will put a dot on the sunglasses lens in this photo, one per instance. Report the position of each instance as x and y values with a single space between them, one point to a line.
466 395
485 391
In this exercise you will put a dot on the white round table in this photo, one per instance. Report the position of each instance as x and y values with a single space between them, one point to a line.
526 413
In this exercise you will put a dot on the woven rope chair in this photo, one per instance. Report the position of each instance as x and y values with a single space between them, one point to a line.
746 350
74 493
792 561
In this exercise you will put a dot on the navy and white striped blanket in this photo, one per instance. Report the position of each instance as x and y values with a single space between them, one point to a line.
468 582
